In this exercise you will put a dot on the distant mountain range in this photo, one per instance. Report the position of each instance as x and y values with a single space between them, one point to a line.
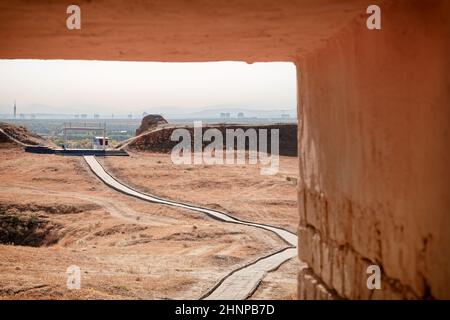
212 113
43 111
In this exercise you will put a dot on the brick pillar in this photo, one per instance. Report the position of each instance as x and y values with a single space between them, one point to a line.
374 121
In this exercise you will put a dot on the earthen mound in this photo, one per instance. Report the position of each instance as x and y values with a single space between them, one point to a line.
149 122
11 133
160 140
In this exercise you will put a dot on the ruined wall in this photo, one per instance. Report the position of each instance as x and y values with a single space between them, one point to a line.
160 141
374 157
150 121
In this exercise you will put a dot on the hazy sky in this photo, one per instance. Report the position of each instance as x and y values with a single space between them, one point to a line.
105 87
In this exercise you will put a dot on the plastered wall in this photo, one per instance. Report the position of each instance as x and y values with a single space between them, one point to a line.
374 141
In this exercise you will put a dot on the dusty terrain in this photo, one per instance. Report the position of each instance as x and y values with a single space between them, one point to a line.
55 213
237 189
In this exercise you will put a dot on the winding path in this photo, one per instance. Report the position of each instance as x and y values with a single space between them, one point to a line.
238 284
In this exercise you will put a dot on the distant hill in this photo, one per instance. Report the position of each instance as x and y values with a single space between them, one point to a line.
213 113
169 112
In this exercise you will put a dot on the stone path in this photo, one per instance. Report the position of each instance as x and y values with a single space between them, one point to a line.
238 284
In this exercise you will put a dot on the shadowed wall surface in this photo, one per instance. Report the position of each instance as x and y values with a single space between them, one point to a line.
375 114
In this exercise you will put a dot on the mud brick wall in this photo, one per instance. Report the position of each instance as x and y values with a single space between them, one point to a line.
159 140
374 121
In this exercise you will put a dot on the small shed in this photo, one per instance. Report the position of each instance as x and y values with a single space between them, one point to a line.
100 143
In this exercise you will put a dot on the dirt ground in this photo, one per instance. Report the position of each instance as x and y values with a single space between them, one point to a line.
238 189
56 213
